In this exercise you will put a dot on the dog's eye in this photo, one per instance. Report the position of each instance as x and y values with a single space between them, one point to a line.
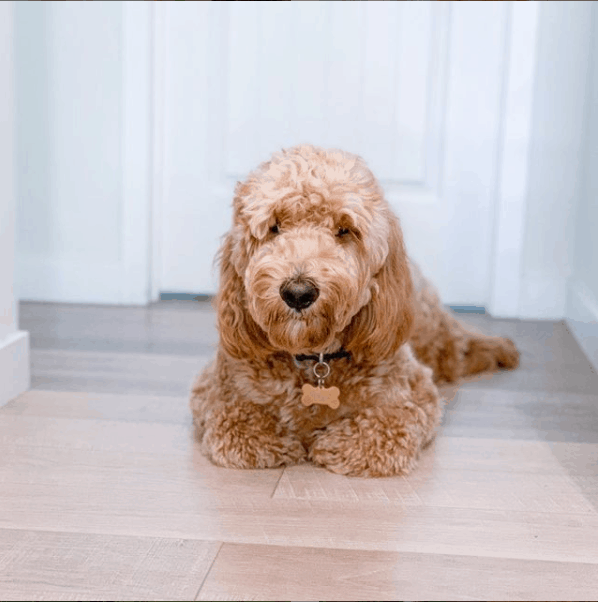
343 232
274 229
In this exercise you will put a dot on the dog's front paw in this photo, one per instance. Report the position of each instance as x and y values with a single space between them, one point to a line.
366 446
247 436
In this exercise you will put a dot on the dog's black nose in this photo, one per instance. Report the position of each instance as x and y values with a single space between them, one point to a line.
299 294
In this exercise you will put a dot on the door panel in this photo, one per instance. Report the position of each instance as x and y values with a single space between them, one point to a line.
413 87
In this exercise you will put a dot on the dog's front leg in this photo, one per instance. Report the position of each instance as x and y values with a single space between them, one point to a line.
246 435
377 442
385 439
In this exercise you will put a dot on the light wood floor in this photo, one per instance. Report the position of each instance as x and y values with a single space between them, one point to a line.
105 496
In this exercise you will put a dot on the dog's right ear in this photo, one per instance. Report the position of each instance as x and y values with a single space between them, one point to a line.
240 336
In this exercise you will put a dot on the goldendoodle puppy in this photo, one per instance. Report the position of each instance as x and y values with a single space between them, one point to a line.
331 341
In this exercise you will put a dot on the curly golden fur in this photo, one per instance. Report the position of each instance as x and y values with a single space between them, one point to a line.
318 219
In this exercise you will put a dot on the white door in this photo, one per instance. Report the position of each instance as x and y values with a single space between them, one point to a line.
413 87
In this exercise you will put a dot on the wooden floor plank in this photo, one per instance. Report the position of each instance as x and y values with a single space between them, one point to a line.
581 462
37 565
466 473
104 406
551 358
114 372
570 377
181 495
459 473
140 457
531 415
254 572
166 328
96 435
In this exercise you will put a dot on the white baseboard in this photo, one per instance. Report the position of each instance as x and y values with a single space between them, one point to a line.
582 320
14 366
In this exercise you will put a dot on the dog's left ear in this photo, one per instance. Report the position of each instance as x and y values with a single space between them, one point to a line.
384 324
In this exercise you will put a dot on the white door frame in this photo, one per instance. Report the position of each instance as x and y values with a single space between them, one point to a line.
157 159
513 159
138 146
14 344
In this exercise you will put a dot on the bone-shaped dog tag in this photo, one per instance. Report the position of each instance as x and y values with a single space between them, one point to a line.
327 396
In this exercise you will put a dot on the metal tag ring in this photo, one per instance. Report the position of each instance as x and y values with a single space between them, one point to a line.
324 365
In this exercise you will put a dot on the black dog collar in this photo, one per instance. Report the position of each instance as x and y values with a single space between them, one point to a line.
327 356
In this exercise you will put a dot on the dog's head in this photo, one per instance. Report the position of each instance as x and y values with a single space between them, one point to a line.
315 259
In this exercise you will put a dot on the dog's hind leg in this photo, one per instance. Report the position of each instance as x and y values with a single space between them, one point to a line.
452 349
484 352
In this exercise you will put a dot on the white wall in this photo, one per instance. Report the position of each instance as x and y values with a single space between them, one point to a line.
14 344
83 98
584 276
555 158
90 167
552 264
582 299
424 80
